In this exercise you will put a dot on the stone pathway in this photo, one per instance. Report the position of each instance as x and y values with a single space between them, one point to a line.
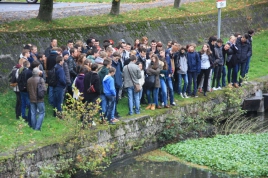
86 9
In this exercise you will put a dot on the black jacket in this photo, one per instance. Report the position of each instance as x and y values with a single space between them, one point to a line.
244 50
93 79
51 60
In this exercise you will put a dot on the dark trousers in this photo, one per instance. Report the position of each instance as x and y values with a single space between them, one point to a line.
18 105
217 76
204 72
242 68
192 78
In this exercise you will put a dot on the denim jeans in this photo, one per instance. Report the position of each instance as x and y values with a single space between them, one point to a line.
50 96
192 78
163 91
110 107
223 78
57 95
217 76
232 71
247 65
242 68
140 93
37 109
155 96
170 87
25 102
103 104
185 80
133 96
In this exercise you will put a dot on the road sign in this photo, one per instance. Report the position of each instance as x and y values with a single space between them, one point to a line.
221 3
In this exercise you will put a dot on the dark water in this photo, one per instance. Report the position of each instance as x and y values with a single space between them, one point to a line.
131 168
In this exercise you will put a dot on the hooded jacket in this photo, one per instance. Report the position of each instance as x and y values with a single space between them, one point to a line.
219 58
118 74
244 50
79 82
102 73
193 61
181 63
108 86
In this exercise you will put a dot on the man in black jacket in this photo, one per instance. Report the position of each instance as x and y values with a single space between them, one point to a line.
53 43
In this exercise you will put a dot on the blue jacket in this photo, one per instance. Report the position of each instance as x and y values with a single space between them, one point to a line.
193 60
168 60
108 86
118 74
60 76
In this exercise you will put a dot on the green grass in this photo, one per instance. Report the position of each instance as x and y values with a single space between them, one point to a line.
186 10
52 128
243 154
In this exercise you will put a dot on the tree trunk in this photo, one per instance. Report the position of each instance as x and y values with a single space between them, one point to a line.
45 10
115 7
177 3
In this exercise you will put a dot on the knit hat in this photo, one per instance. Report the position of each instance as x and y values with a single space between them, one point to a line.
36 71
65 52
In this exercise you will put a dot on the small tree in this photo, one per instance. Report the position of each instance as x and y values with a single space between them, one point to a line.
115 10
177 3
45 10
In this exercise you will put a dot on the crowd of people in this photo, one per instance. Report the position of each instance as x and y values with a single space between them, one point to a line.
145 73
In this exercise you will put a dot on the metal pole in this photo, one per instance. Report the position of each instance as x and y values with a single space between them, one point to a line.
219 23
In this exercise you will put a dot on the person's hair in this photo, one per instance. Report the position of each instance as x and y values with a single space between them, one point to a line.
251 31
40 55
153 41
59 59
175 48
70 41
156 63
34 64
52 39
219 40
208 52
193 45
54 49
132 58
109 49
26 63
212 38
90 52
138 63
103 54
94 67
63 48
106 44
72 50
246 36
128 44
133 52
106 62
165 67
173 42
136 45
33 46
142 50
80 43
89 41
27 46
24 51
87 62
236 34
80 59
83 70
59 49
111 69
144 38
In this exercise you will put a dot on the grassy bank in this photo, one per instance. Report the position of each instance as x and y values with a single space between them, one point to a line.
53 128
89 1
186 10
242 154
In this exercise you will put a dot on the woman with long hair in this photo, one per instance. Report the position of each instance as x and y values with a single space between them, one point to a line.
154 69
206 64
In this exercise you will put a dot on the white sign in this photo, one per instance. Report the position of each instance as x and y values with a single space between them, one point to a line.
221 3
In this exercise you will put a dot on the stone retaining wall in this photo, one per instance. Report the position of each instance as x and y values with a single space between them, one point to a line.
133 136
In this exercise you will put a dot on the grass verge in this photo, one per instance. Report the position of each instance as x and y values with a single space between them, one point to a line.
186 10
244 154
90 1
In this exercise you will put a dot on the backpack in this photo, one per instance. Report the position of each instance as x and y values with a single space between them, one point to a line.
40 90
52 78
12 77
22 81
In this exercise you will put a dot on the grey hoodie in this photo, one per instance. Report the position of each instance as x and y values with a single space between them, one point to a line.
183 65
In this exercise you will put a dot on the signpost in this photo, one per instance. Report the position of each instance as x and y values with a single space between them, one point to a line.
220 4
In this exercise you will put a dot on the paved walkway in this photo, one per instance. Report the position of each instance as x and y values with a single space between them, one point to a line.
62 10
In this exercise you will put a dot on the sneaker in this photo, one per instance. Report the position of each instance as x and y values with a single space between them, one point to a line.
173 104
93 123
115 120
196 96
182 95
163 104
185 95
219 88
214 89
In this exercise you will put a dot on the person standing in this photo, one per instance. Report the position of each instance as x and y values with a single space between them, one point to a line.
218 63
37 104
61 84
53 44
250 38
131 75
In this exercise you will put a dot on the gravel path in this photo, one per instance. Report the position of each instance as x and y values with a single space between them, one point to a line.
88 9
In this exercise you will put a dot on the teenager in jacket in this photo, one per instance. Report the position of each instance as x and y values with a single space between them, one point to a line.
218 63
37 104
181 66
194 67
131 75
206 65
154 69
163 78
